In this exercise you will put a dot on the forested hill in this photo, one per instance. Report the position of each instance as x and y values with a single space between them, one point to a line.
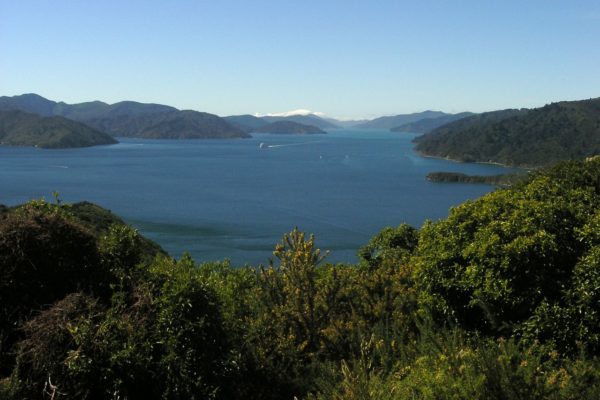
18 128
535 137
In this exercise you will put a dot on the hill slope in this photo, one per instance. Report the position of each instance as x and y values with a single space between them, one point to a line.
540 136
429 124
18 128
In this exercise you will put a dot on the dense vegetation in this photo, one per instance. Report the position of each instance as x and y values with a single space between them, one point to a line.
429 124
536 137
18 128
504 180
288 127
501 300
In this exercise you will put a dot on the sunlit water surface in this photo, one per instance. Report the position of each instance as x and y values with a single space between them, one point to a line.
233 199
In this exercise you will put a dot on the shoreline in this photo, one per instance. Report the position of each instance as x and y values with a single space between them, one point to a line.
421 154
498 180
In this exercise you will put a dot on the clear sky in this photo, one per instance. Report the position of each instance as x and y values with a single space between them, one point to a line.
345 58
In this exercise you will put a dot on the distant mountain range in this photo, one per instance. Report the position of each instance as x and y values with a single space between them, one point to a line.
19 128
397 120
310 119
521 137
420 122
289 127
129 118
247 123
82 112
250 123
346 123
429 124
525 137
185 124
286 125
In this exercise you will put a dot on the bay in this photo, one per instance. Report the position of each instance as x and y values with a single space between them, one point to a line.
234 199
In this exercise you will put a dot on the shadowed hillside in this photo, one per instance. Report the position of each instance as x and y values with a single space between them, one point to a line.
540 136
18 128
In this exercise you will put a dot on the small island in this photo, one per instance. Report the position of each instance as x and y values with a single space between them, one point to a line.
289 128
502 180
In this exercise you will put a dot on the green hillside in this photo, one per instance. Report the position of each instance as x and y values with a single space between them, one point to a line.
540 136
18 128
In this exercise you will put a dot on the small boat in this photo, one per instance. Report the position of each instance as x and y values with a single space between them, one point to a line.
263 146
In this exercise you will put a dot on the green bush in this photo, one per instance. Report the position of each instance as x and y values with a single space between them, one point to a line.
494 260
44 256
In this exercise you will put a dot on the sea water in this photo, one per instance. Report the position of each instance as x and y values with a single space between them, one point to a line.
235 199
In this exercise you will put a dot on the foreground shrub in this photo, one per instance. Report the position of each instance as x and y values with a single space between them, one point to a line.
493 261
44 256
449 365
163 340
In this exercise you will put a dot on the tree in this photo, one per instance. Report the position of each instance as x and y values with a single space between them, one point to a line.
44 255
494 260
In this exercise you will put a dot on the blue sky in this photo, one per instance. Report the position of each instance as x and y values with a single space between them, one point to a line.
347 59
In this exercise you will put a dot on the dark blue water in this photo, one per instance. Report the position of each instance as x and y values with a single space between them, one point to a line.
231 199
